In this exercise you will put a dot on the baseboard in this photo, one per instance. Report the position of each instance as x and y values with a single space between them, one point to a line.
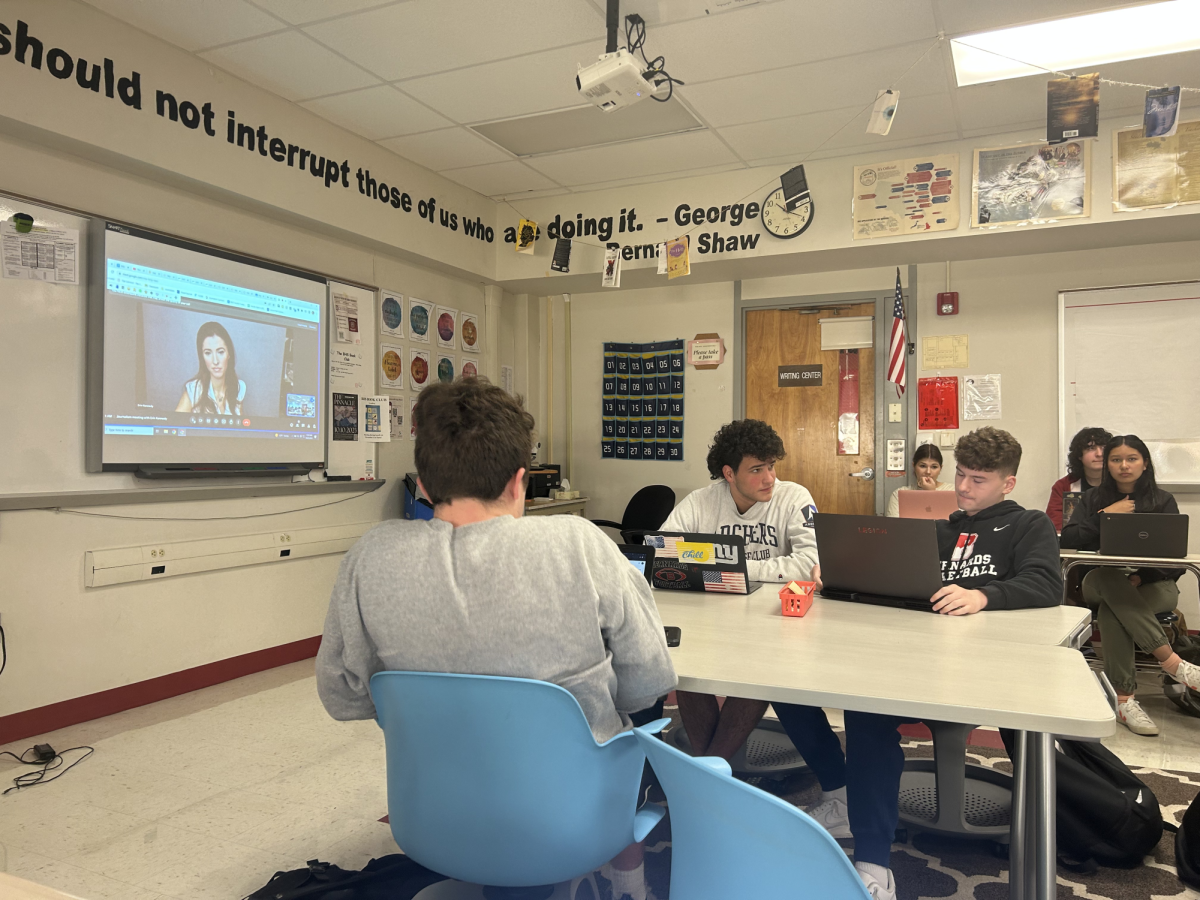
104 703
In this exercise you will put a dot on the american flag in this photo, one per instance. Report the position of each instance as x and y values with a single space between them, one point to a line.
664 547
727 582
897 372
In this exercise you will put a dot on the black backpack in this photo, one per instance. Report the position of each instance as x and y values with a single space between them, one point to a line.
1187 846
392 877
1106 814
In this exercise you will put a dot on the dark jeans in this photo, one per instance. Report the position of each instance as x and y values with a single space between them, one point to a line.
870 769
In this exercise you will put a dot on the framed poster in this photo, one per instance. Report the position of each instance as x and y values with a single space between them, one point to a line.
1031 183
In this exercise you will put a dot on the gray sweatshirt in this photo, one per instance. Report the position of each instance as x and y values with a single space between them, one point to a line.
544 597
780 542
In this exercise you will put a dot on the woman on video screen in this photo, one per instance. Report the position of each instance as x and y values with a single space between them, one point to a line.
216 373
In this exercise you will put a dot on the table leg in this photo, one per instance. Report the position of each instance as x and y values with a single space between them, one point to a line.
1018 820
1044 808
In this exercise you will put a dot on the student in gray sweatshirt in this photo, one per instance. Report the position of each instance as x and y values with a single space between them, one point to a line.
776 519
481 590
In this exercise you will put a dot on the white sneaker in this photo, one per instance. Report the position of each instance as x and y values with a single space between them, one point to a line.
874 883
1187 674
833 815
1132 716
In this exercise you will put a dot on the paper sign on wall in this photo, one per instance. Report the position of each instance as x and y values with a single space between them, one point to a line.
345 315
937 403
375 419
981 397
412 420
396 420
506 378
418 368
391 367
419 315
945 351
41 254
345 417
391 314
469 333
446 327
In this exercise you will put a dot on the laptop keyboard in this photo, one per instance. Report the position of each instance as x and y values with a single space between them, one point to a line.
879 600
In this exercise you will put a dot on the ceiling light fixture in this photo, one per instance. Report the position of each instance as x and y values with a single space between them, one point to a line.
1077 43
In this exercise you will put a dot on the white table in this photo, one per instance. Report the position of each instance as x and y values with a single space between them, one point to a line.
1007 668
1069 559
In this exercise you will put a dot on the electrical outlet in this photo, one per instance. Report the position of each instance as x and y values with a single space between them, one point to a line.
894 412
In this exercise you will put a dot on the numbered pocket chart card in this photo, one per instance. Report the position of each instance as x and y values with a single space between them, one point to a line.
642 402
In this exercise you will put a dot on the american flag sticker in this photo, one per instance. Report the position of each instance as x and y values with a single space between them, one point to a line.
726 582
664 547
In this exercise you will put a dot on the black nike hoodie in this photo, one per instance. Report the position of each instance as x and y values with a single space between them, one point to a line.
1008 552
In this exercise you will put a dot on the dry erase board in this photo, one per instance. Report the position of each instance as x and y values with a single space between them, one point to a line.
1129 362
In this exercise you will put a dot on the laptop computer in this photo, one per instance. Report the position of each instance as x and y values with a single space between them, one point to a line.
916 504
1144 534
884 562
640 555
714 563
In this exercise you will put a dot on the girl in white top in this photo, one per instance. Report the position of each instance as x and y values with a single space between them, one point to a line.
927 465
209 391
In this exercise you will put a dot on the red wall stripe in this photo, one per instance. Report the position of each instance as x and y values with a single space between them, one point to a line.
104 703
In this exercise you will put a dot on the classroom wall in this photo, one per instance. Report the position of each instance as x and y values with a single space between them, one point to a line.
65 641
655 314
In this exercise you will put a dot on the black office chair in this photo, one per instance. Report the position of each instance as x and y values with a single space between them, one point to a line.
645 512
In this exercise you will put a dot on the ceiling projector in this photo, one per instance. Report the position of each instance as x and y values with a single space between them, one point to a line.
616 81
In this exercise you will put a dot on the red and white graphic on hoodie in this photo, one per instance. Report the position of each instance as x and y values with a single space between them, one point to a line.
964 563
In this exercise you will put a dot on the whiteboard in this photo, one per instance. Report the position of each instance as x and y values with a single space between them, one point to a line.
1129 361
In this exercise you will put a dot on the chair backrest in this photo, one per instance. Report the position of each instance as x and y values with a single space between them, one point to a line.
649 507
729 839
500 781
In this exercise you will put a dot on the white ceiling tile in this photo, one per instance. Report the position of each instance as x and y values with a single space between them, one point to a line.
917 119
811 87
500 179
450 148
377 112
426 36
792 136
770 36
193 25
290 64
654 156
658 179
300 12
512 87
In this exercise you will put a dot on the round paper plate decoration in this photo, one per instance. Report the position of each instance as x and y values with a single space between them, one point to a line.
445 326
392 314
418 320
469 370
470 334
419 369
445 369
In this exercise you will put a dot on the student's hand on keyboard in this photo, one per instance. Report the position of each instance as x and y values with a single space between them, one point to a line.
955 600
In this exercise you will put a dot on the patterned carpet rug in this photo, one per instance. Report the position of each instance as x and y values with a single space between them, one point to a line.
936 867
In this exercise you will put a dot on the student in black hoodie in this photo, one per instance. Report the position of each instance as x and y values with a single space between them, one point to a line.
995 555
1128 599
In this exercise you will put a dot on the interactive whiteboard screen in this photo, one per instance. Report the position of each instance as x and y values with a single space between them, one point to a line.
208 358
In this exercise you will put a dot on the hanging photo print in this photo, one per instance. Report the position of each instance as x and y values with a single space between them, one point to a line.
419 314
642 401
526 235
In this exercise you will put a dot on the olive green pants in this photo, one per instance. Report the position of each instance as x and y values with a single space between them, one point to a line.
1126 616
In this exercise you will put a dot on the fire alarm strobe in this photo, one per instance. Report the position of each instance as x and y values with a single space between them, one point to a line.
947 303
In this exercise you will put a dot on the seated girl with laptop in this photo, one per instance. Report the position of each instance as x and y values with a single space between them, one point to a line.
1127 600
926 466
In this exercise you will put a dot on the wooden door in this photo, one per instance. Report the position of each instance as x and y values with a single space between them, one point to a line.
806 416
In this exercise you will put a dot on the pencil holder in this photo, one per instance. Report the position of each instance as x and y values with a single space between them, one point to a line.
796 597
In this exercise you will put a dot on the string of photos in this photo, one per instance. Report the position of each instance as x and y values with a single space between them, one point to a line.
642 403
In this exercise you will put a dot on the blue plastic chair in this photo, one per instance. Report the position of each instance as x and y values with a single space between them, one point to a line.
729 839
499 781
